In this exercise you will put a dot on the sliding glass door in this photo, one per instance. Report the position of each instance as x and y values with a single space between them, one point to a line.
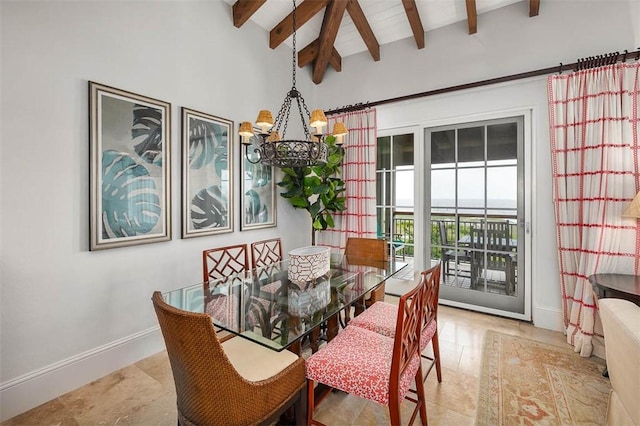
477 212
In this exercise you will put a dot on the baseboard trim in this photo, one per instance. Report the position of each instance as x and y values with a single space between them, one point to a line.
549 318
39 386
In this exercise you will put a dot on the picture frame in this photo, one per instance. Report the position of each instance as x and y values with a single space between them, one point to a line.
258 205
207 178
130 168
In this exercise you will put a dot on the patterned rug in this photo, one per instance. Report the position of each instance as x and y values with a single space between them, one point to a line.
524 382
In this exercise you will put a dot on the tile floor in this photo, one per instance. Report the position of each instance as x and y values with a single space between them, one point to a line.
144 394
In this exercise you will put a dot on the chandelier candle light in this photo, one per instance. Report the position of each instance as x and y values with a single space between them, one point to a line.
272 147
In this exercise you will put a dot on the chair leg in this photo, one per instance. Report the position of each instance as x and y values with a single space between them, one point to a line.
394 410
300 407
310 401
421 396
436 355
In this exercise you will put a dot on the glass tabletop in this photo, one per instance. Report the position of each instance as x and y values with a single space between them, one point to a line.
265 306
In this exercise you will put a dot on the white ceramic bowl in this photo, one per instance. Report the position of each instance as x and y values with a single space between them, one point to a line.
308 263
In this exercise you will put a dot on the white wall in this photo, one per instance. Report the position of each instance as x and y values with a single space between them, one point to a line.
68 315
508 42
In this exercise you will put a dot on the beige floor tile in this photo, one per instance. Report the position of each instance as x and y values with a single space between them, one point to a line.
339 408
157 366
457 392
53 412
113 397
442 416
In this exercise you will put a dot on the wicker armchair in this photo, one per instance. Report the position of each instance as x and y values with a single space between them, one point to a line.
232 383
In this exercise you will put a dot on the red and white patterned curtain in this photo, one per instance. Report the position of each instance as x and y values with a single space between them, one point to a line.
596 172
359 175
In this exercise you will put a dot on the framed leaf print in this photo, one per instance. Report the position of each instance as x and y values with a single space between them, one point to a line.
258 191
207 183
130 169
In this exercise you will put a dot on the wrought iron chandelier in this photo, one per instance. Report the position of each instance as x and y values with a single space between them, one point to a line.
272 147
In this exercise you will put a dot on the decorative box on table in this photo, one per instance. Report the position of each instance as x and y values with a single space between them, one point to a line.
310 290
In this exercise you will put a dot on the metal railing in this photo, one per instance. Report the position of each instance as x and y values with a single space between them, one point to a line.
455 227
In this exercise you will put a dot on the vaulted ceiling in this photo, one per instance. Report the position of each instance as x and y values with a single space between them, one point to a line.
329 30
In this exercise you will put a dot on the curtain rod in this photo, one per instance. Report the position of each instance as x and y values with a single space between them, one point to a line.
580 64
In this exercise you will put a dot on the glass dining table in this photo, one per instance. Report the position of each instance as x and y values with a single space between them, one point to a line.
264 306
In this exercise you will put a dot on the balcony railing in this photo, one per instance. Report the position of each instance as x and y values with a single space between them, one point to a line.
456 227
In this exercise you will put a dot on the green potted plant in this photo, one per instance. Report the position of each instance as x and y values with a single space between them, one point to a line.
317 189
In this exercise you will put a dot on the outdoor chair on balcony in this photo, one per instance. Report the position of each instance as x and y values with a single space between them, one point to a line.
396 245
498 267
237 382
448 253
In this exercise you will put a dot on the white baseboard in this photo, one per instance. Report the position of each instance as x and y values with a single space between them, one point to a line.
37 387
549 318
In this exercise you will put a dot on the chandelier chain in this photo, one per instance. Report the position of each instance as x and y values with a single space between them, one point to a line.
294 61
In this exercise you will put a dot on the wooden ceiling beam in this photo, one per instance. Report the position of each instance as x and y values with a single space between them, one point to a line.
472 16
244 9
414 20
304 12
361 23
310 53
330 26
534 7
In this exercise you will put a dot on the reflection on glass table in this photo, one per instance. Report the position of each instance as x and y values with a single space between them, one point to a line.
264 306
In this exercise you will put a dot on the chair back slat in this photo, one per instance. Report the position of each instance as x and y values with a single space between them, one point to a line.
370 248
408 330
266 252
221 262
431 279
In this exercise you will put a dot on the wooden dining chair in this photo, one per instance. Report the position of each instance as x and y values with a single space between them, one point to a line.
382 316
232 383
217 265
373 366
266 252
361 251
222 262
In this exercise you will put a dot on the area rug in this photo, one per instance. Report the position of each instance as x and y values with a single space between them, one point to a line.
524 382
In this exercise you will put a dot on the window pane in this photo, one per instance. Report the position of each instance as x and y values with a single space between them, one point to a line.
404 188
502 141
471 144
443 190
384 153
403 150
502 191
442 147
471 187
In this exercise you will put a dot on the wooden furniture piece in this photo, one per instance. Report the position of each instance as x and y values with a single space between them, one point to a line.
381 318
619 286
266 252
372 250
373 366
300 311
449 253
221 262
232 383
491 250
